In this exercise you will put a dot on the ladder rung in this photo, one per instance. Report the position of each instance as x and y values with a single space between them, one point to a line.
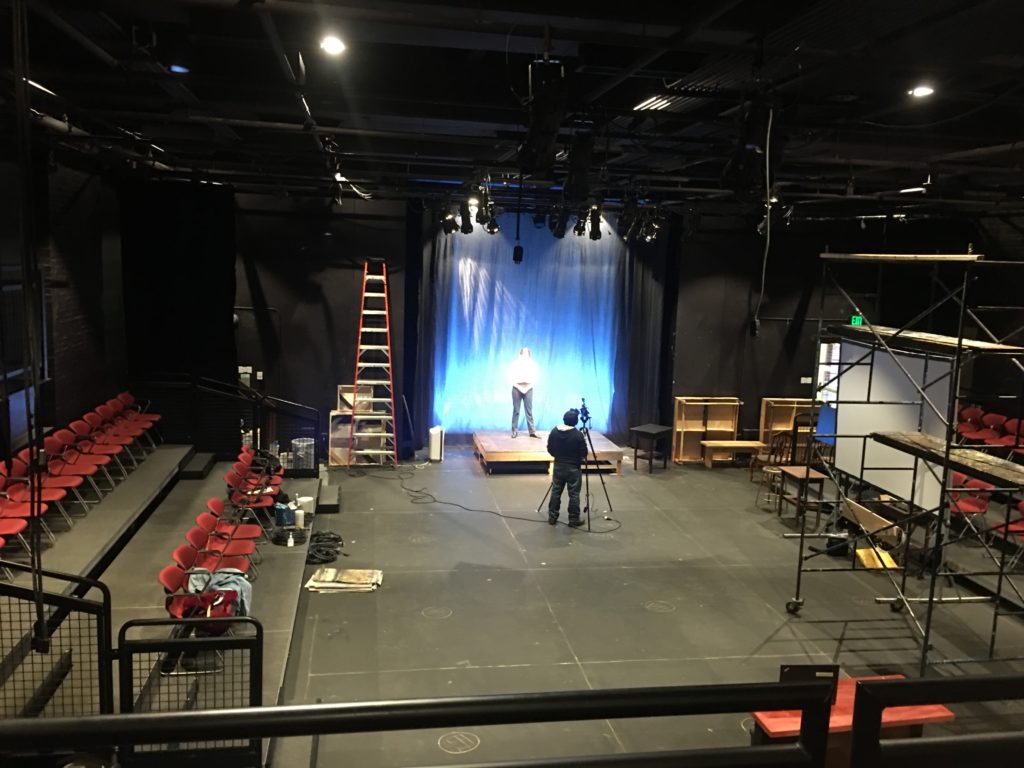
374 365
375 311
374 330
373 417
372 452
374 295
373 434
374 382
379 278
372 399
373 346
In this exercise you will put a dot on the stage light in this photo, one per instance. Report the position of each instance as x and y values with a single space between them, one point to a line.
448 223
651 226
539 219
517 254
332 45
465 218
179 69
595 223
492 225
482 216
580 229
558 221
921 91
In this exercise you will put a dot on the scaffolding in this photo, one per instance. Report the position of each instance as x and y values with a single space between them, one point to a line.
896 497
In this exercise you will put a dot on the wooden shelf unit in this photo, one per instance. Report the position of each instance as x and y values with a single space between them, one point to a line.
703 418
777 414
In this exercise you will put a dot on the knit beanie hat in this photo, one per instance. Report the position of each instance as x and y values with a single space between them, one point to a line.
571 417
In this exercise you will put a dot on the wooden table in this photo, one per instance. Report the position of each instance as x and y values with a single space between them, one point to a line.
800 475
652 433
897 722
731 447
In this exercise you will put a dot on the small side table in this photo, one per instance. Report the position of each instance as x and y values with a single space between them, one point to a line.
652 433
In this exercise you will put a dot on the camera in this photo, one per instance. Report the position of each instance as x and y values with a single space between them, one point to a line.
584 413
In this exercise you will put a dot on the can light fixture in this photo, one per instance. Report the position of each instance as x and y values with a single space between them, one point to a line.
332 45
921 91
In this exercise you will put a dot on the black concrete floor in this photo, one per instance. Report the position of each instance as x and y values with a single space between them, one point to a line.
691 589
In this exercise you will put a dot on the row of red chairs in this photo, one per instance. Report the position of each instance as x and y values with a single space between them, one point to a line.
970 496
222 539
117 434
981 428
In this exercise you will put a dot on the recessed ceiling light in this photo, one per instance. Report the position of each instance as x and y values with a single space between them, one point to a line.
921 91
179 69
332 45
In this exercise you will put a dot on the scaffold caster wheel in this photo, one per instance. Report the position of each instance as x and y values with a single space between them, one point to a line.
793 606
896 607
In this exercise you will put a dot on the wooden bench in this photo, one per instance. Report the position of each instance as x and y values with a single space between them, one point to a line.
731 447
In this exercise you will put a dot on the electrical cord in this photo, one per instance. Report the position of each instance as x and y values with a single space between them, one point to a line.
324 547
423 496
767 214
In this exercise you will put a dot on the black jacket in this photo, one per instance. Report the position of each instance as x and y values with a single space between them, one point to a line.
567 445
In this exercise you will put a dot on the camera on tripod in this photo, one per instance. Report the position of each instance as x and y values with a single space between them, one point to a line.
584 413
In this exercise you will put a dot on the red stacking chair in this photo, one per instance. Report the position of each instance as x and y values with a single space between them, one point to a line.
189 558
107 434
991 426
1013 436
970 419
14 528
217 506
180 602
63 459
3 568
969 499
16 492
218 549
90 448
244 495
102 442
227 530
116 425
270 484
137 410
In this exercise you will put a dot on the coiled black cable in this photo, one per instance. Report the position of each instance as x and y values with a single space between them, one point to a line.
324 547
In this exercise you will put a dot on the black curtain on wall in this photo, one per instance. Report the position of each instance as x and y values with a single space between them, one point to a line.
178 252
178 243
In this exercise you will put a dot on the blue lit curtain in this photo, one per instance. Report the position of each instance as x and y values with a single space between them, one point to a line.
565 302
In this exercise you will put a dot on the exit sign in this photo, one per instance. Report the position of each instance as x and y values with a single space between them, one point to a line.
856 320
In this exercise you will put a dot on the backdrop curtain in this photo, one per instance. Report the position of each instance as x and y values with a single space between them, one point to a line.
568 302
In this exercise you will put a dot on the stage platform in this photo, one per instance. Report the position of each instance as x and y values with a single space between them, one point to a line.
497 449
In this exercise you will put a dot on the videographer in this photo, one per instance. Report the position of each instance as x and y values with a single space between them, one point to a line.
569 447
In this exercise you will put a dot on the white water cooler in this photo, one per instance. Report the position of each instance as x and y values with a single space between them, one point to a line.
437 444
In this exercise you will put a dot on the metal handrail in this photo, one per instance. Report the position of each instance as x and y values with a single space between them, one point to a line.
874 696
812 698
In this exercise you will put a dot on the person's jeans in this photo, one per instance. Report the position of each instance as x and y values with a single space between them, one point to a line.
565 475
527 401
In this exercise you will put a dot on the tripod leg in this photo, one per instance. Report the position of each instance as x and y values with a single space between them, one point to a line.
600 476
545 498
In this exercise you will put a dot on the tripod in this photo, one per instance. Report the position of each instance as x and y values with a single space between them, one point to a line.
590 460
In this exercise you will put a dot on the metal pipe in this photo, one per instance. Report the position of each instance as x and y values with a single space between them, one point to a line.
394 715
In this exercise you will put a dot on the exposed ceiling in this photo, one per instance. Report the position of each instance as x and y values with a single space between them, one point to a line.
431 95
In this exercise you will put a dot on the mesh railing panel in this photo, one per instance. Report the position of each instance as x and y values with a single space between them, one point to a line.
61 680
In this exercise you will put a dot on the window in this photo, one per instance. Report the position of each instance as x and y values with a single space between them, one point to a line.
828 372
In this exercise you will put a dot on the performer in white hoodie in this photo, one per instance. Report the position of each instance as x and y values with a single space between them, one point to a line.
523 373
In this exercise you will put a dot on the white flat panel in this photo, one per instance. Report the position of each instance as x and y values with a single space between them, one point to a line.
891 403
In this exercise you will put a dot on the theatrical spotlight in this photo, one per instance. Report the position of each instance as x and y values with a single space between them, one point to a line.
517 254
492 225
466 218
595 223
580 229
448 222
481 211
558 221
651 226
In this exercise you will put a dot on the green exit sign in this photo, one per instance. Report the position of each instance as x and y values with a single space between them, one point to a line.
856 320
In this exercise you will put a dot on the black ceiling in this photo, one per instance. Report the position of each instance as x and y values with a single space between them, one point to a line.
431 95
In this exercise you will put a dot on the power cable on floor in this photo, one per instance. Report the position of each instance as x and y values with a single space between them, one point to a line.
423 496
324 547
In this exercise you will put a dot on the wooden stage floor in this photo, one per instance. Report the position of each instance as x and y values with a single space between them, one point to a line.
496 449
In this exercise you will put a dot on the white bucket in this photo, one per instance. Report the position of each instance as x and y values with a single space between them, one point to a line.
437 444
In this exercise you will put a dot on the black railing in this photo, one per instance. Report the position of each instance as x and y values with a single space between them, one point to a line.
874 696
212 415
811 698
63 666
